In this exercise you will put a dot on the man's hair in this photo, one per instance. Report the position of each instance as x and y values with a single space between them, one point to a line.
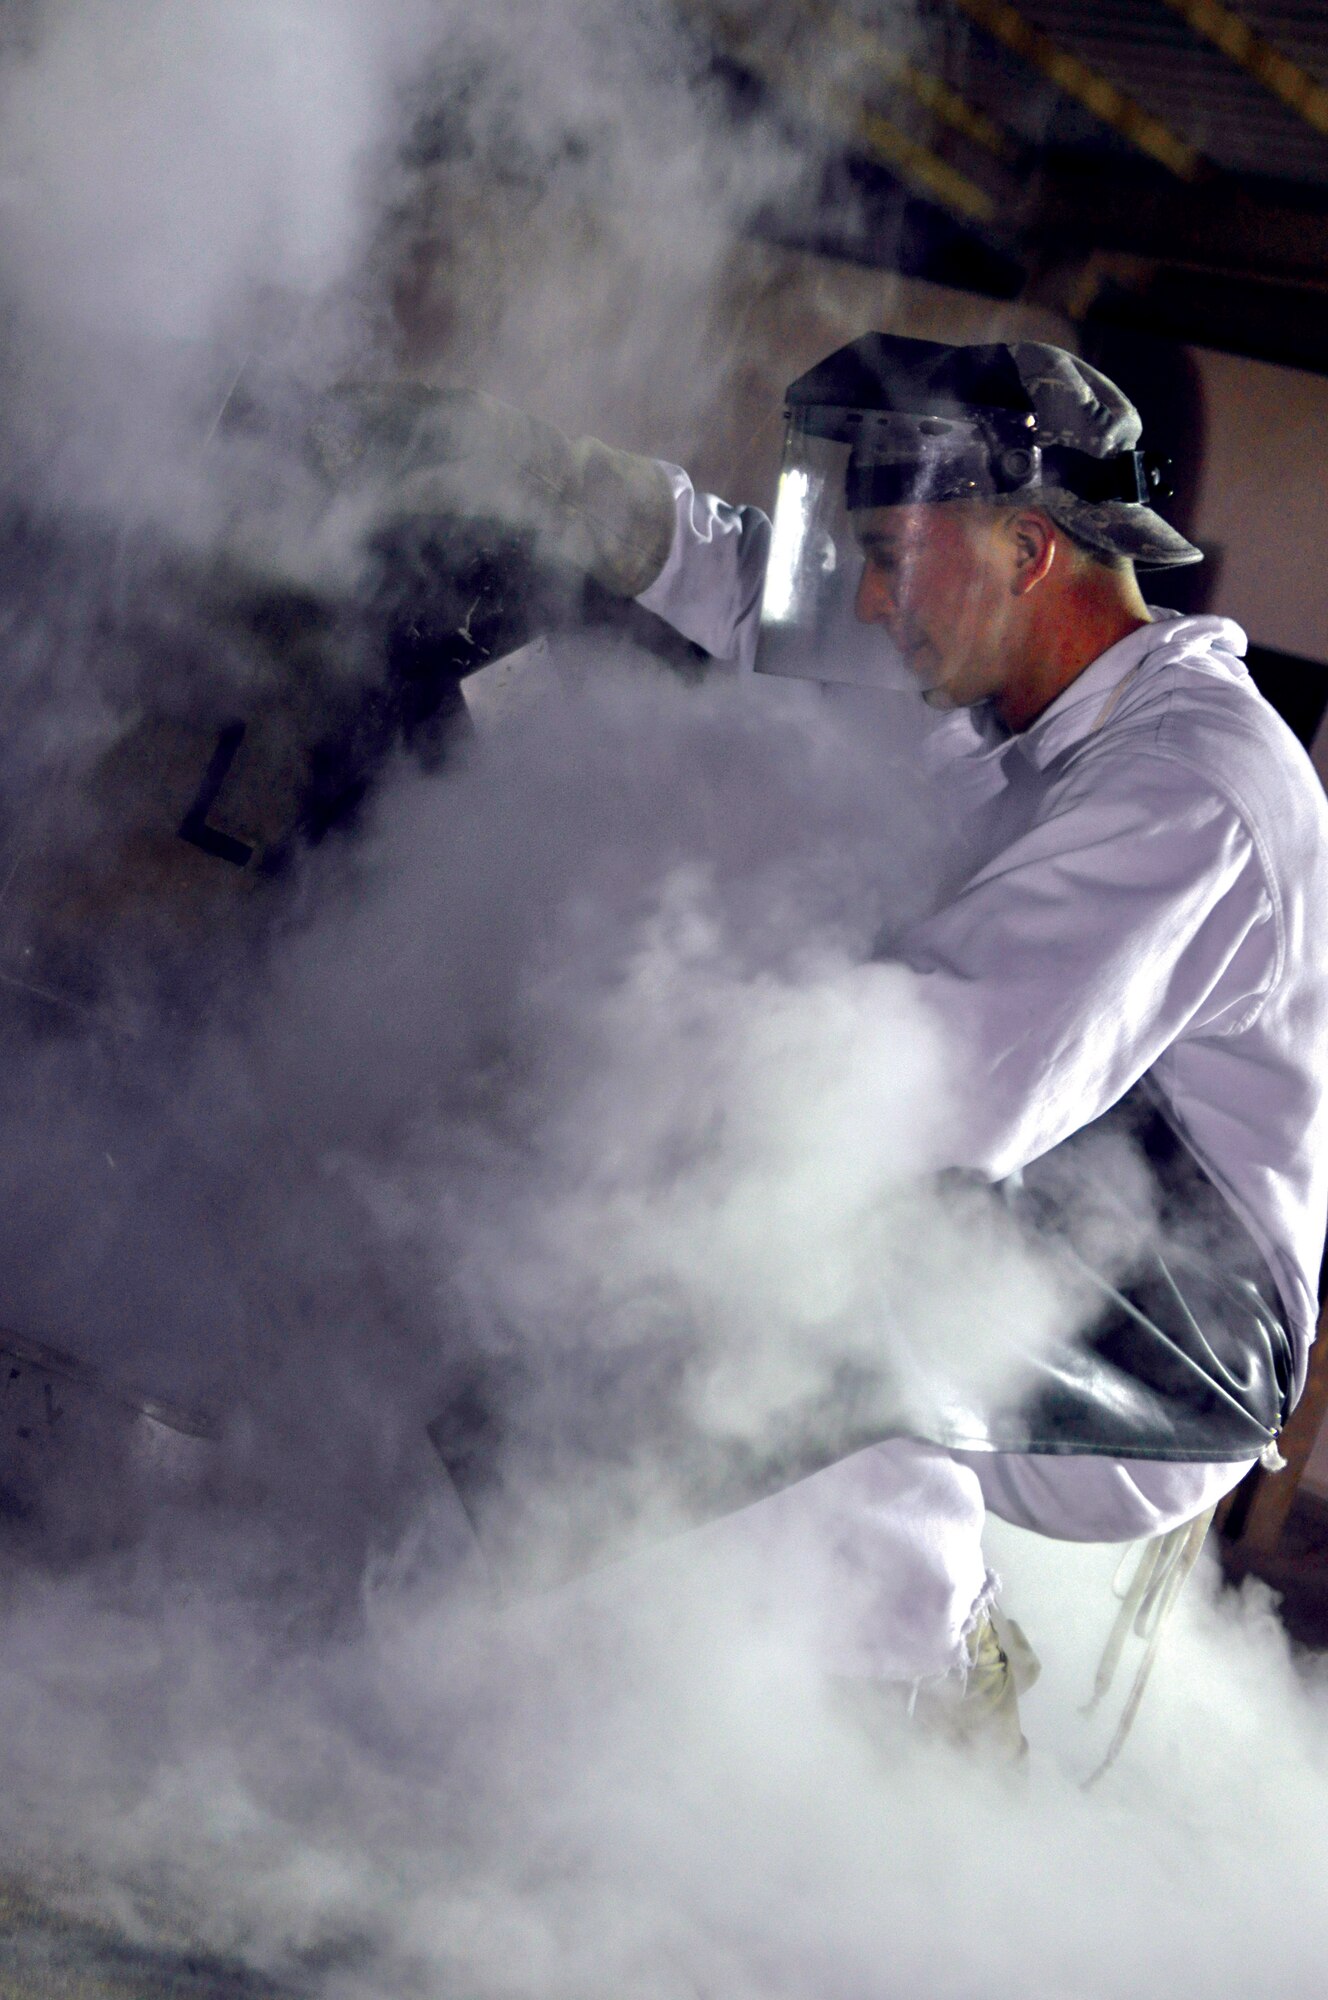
1108 559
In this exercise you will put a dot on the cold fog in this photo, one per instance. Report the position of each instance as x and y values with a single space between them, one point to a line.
578 1041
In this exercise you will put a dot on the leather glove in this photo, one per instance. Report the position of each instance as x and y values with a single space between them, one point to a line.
411 455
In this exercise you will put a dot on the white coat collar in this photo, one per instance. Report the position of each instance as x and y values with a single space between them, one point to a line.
1087 704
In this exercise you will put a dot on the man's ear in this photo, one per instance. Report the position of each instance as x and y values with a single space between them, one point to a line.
1034 542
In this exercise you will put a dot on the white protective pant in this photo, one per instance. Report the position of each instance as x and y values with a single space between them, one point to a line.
877 1562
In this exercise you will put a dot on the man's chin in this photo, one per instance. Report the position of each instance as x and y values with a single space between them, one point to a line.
928 687
928 670
950 691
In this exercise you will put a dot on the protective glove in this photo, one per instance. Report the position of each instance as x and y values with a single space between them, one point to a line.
405 456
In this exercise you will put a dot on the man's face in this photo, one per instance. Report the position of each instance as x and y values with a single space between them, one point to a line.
938 578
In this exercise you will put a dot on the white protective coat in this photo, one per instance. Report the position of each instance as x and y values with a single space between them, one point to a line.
1161 906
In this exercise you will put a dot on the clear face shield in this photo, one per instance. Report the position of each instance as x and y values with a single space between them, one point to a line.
840 465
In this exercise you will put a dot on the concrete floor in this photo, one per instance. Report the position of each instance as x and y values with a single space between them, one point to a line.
48 1954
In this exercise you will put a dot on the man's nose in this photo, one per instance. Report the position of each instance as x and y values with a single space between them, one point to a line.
875 603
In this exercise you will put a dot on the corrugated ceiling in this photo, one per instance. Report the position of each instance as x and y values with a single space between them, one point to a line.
1169 164
1148 50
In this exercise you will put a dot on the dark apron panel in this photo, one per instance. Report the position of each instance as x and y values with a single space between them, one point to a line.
1187 1359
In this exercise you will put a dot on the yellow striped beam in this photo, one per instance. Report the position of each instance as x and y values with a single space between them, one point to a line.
1232 33
927 171
1005 24
875 58
826 97
948 106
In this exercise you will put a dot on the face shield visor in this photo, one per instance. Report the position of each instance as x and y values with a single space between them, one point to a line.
839 465
888 422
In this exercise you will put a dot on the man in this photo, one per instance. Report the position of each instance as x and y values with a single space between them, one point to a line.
1155 907
1148 925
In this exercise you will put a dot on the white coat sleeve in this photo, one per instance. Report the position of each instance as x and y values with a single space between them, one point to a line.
710 586
1135 909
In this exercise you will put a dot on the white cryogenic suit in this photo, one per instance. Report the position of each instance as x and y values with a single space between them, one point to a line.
1161 907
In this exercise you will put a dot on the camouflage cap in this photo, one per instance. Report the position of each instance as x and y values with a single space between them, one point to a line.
1076 405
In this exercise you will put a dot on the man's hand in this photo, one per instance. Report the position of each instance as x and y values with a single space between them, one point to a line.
407 455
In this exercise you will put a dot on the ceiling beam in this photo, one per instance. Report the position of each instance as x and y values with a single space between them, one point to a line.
821 24
1005 24
945 104
1277 72
883 140
1226 227
874 57
819 93
1262 322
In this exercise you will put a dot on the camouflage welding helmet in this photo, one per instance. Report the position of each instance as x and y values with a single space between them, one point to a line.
888 421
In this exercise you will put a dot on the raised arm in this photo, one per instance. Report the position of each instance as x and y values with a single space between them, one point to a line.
710 586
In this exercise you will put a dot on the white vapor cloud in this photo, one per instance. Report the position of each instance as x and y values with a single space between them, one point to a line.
658 1799
580 1048
161 156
